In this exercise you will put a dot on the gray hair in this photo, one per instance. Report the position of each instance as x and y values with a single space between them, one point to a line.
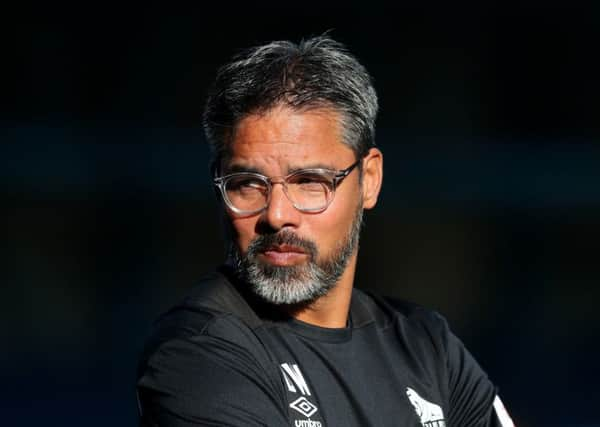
318 73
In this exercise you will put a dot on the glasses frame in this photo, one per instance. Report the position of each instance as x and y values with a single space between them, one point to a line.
337 177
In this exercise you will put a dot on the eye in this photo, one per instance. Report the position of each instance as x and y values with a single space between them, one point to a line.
245 184
311 181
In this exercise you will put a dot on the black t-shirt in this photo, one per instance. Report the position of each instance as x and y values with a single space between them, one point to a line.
221 358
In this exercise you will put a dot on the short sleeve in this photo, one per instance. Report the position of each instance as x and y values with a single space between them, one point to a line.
473 399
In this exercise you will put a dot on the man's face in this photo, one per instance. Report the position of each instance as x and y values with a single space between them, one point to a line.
289 256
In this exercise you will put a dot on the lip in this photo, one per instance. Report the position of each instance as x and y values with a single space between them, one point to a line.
283 255
284 248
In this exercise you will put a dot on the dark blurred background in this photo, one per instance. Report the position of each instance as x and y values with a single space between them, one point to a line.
490 211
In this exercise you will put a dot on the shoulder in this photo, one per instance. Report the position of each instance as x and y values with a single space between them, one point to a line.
212 308
414 322
199 352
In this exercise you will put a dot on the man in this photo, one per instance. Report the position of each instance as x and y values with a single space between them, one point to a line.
278 336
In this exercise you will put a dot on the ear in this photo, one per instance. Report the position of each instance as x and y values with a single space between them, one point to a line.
372 177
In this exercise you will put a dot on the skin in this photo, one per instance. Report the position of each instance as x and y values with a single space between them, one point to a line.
274 144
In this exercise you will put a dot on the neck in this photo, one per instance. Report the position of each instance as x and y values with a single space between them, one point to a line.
331 310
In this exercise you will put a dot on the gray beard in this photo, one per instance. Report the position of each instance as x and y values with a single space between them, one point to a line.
298 284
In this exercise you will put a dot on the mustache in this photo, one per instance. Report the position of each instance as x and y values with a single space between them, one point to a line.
266 241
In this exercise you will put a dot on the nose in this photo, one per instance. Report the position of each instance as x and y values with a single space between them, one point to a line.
280 212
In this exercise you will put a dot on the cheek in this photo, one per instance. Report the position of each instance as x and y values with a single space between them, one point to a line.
332 228
243 231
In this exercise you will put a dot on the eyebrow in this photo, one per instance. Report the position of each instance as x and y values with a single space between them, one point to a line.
236 168
312 166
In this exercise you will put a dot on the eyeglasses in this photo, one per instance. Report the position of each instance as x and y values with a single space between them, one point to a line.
309 190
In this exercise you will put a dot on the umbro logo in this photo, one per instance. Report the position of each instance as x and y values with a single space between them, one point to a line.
303 406
430 414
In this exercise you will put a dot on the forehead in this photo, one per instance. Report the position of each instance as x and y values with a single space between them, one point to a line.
285 139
